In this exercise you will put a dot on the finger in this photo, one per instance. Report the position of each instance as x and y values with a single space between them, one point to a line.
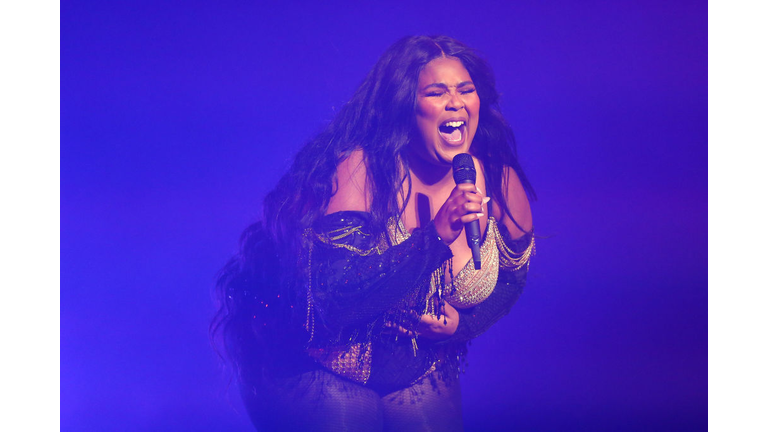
486 200
432 324
470 187
471 217
467 187
435 321
461 197
391 325
471 207
473 197
403 331
426 318
457 192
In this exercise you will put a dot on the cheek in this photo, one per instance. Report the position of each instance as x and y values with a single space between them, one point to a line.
474 107
422 126
427 111
426 118
474 104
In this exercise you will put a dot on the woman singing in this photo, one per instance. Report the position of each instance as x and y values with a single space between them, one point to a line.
350 306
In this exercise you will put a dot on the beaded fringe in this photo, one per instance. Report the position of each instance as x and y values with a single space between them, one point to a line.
353 360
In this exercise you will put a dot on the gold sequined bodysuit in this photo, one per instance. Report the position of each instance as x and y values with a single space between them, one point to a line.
471 286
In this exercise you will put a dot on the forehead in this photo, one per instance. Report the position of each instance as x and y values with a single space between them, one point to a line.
443 70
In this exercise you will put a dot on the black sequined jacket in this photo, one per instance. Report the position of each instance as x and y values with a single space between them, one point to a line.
355 284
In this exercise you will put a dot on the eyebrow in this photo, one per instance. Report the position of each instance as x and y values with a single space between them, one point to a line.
444 86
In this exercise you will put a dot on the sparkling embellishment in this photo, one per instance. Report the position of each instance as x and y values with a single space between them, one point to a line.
510 259
309 325
472 286
353 362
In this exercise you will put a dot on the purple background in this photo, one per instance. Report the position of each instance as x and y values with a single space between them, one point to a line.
177 117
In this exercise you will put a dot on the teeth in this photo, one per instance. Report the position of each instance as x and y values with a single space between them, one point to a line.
454 124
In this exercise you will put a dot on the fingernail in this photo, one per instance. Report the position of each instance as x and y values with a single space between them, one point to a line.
486 199
480 215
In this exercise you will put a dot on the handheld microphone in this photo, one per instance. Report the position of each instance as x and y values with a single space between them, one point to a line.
464 172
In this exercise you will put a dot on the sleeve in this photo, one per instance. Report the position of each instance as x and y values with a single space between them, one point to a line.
355 279
513 273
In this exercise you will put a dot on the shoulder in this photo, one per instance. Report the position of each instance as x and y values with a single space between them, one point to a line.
516 202
350 192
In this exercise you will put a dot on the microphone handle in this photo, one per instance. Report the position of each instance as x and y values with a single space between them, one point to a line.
472 231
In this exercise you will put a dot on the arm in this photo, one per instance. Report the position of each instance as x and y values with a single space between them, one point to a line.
465 324
478 319
517 237
517 203
354 282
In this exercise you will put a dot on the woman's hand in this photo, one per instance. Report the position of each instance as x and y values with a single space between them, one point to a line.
464 205
431 326
439 327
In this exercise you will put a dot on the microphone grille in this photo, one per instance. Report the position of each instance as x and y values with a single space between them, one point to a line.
464 169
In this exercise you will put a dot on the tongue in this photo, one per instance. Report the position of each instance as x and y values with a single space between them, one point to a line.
454 135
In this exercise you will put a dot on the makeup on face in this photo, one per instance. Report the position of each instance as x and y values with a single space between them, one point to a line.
447 110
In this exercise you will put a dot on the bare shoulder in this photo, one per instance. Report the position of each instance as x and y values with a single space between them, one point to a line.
517 203
351 193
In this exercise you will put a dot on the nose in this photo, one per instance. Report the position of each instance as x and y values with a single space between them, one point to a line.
455 103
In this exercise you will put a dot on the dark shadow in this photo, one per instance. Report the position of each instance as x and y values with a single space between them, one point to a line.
423 209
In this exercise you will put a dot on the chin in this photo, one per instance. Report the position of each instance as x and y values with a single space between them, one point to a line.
450 152
445 157
440 153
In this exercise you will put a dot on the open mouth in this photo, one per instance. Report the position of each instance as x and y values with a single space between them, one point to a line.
453 131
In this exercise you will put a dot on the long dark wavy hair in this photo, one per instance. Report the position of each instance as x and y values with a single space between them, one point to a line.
379 119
